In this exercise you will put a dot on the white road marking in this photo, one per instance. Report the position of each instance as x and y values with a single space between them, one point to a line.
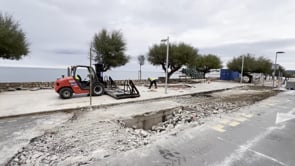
224 121
240 119
239 153
247 115
9 121
218 128
283 117
234 123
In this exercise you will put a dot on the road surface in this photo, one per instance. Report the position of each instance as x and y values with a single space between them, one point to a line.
18 132
261 134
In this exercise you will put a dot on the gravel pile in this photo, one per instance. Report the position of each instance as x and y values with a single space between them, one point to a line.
84 139
82 144
199 107
193 113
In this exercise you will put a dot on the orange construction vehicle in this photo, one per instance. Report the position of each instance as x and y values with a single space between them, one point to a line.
75 84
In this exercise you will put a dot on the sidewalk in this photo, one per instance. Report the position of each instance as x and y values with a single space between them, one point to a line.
20 103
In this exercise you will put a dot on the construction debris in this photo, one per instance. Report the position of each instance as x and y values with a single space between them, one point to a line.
86 140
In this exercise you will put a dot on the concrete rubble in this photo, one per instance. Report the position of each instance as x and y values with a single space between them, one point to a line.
87 140
199 107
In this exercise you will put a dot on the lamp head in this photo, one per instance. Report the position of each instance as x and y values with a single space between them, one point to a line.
280 52
165 40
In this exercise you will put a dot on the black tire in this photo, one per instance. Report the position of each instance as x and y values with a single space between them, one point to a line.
97 89
66 93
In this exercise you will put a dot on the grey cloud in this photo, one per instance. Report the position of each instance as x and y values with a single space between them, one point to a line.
265 48
258 47
68 51
59 29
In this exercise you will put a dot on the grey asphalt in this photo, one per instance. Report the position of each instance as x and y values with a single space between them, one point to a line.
21 103
17 132
260 134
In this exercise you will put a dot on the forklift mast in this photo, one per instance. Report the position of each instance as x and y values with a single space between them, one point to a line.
99 71
129 90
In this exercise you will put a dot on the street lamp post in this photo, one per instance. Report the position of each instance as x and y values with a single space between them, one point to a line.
167 57
90 82
275 67
242 69
91 76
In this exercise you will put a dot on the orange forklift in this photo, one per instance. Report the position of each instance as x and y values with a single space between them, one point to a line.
75 84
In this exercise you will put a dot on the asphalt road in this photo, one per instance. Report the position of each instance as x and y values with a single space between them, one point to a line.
17 132
261 134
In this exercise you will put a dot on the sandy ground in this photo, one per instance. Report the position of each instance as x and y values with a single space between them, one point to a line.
91 137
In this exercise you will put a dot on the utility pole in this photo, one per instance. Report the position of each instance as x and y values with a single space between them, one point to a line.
167 61
242 69
90 87
275 67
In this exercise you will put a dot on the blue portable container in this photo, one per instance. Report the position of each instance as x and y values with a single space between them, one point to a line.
226 74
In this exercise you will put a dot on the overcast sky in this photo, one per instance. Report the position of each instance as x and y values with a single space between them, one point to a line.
60 31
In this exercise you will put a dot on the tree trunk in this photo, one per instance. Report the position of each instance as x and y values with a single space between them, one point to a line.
140 72
172 71
249 76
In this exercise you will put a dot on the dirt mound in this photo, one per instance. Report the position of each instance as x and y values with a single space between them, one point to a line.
84 139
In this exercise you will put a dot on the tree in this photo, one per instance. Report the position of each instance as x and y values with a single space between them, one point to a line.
263 65
141 60
179 55
207 62
13 43
251 65
280 71
109 49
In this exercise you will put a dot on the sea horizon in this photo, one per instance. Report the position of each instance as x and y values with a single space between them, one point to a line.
50 74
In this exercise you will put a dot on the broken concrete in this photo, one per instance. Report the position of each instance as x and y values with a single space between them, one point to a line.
92 136
20 103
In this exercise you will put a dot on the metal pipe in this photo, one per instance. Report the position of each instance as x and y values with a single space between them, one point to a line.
242 69
275 67
167 61
90 87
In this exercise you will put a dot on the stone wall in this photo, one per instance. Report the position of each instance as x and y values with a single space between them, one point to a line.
29 85
22 85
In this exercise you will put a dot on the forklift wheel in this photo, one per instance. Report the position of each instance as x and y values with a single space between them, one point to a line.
97 89
66 93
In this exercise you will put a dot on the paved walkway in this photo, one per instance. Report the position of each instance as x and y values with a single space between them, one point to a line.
32 102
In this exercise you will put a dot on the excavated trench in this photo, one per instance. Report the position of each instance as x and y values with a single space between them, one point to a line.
146 121
198 106
86 139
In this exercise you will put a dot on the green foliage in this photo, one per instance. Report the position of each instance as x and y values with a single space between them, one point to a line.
141 59
281 71
263 65
192 72
205 63
179 55
13 44
251 64
109 49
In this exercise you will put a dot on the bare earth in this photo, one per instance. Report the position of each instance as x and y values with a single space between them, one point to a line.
89 137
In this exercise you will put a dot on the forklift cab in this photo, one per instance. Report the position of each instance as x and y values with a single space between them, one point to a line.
82 75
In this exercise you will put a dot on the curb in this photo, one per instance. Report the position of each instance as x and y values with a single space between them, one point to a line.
71 110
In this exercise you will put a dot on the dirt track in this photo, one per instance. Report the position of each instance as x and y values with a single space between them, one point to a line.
86 140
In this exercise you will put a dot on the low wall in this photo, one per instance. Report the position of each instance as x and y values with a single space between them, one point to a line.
147 120
21 85
28 85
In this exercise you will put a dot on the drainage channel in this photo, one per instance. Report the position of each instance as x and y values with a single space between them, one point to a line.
147 120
